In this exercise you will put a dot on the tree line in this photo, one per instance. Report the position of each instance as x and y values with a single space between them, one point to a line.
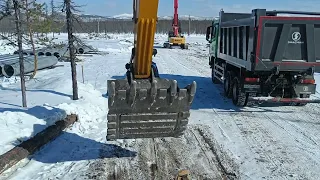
105 26
126 26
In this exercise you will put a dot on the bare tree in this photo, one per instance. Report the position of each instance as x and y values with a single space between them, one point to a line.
53 15
5 9
69 17
31 39
17 6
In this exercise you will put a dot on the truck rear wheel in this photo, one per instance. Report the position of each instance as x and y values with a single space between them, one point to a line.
239 98
227 84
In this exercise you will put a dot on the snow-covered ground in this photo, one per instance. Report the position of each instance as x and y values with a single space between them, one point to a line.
279 142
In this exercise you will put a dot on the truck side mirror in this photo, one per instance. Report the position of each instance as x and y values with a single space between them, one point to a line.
208 35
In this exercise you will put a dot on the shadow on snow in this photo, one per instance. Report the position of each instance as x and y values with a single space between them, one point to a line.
72 147
67 146
38 90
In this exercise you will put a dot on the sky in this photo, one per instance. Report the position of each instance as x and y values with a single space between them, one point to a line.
204 8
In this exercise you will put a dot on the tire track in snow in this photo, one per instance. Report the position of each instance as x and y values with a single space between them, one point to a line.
309 147
289 122
162 159
262 143
294 127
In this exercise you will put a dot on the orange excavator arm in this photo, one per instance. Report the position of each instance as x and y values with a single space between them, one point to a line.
145 17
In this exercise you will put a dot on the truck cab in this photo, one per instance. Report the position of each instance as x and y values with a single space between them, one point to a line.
212 37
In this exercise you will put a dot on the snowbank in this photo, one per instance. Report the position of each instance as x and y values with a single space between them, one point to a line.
18 125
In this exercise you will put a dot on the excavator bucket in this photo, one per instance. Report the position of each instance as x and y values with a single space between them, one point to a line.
147 109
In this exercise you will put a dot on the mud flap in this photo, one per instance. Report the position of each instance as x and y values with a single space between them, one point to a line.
148 110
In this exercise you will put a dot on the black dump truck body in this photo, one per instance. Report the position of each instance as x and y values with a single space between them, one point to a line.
261 42
266 55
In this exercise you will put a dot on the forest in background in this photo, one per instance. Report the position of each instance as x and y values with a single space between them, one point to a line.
105 26
48 18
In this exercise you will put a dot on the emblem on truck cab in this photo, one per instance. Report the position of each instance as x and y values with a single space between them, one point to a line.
296 36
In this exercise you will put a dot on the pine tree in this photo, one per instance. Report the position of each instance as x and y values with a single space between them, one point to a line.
69 17
17 7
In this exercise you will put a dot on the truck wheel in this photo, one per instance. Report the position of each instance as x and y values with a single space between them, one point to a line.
227 84
239 98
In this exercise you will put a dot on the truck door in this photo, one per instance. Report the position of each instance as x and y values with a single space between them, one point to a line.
211 37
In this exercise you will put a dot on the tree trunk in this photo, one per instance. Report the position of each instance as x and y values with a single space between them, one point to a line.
16 5
71 49
30 146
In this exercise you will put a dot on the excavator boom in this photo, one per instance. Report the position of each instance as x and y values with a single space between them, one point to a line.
144 105
146 19
176 19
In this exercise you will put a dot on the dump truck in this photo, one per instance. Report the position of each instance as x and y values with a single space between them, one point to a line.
265 56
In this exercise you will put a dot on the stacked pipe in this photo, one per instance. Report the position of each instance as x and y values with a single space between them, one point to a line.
10 64
44 52
82 48
5 59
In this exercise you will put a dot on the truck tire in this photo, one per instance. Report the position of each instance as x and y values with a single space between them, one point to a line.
239 98
227 84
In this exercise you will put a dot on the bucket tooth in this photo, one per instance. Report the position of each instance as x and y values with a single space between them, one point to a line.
133 93
147 109
192 93
112 92
153 92
173 91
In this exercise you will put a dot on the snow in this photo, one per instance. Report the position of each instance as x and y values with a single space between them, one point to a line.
280 142
123 16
